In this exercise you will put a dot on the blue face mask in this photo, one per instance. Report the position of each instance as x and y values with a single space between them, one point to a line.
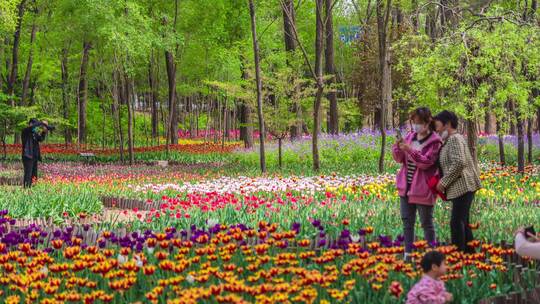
417 128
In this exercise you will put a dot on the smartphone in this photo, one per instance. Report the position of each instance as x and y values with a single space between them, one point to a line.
398 135
530 231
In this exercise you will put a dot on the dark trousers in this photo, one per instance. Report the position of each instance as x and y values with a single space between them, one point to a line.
459 222
408 216
30 171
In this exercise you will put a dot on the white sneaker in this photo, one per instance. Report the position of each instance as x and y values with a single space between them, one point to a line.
407 257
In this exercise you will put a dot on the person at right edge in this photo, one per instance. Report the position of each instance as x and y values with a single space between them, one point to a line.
31 154
460 178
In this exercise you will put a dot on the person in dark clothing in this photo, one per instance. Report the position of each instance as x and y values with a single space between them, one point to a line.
31 154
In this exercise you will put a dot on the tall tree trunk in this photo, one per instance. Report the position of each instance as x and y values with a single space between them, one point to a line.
82 93
385 84
153 96
330 68
172 135
2 55
12 79
538 120
116 111
487 125
280 154
530 126
502 159
171 77
472 138
28 73
65 93
414 17
246 127
289 22
129 85
521 143
259 85
319 49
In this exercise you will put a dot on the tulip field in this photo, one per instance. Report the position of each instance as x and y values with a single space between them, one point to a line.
209 229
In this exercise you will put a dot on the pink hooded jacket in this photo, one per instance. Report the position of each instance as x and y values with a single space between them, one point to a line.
425 160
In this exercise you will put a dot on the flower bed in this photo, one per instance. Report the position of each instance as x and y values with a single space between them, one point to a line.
232 264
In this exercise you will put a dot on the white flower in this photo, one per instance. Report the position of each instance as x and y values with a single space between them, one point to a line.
150 250
138 261
44 270
122 259
355 237
190 279
212 222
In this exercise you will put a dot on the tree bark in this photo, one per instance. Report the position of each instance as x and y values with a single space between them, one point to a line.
280 157
538 120
28 73
289 23
172 135
414 17
12 79
521 144
153 96
246 127
259 85
330 68
502 159
385 84
530 126
472 138
82 94
130 97
487 124
319 49
116 111
171 77
65 93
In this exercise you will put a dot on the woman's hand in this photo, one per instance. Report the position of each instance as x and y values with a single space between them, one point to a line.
404 147
440 187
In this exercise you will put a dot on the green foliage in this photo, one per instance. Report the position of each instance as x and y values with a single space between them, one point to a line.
482 69
8 15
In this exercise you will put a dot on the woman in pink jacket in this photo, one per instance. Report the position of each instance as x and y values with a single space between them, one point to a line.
418 153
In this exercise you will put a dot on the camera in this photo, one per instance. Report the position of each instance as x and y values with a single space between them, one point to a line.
37 123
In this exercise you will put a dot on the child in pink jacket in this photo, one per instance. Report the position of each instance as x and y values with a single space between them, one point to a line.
430 289
418 154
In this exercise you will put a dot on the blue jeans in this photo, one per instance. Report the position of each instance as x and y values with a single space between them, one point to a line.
408 216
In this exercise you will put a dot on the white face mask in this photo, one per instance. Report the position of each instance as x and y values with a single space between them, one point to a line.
417 128
444 134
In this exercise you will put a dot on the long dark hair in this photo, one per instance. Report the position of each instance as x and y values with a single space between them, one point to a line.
424 114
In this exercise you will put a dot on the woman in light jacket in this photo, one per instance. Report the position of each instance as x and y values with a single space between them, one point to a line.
460 179
418 153
527 244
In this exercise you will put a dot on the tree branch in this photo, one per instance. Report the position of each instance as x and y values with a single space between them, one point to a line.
295 32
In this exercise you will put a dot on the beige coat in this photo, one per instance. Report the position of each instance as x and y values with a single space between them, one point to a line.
460 174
